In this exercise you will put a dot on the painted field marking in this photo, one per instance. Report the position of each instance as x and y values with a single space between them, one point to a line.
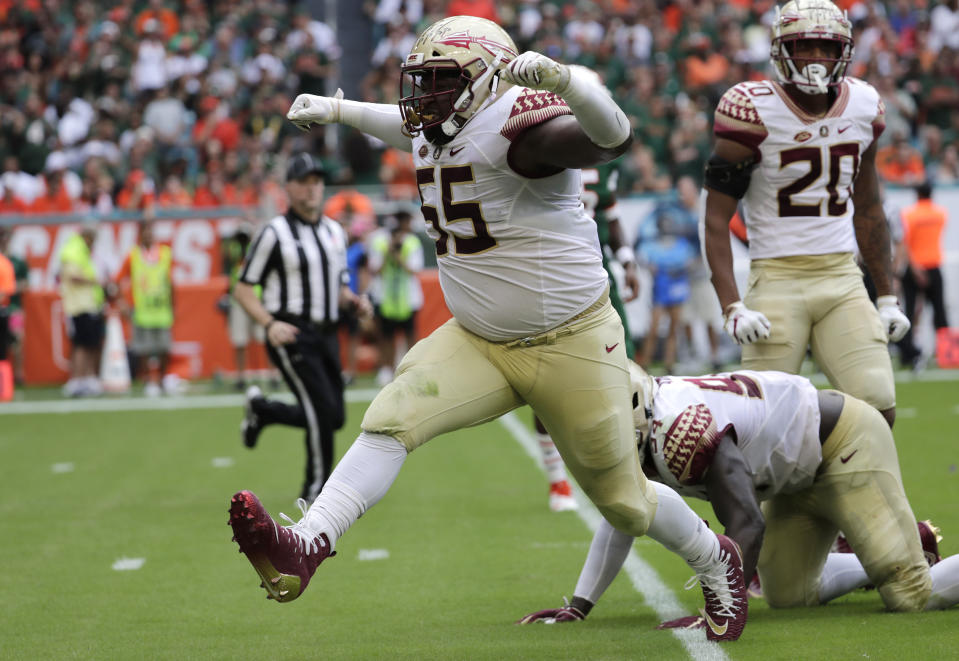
128 564
643 577
373 554
62 467
222 462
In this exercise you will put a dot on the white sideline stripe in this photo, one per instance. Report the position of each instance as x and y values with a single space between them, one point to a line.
176 403
643 577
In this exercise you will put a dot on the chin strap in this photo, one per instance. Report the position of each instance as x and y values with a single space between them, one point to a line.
451 127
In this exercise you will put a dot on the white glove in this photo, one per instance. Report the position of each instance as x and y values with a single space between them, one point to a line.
537 72
745 325
308 109
894 322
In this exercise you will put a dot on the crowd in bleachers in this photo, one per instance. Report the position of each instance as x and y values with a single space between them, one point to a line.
144 103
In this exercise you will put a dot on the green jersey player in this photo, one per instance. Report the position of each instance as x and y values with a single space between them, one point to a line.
599 198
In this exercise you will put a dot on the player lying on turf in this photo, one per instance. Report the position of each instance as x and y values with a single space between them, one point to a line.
818 461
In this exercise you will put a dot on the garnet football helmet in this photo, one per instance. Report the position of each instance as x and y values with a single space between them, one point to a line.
451 74
800 20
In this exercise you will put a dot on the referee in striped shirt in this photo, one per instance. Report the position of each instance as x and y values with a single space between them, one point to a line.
299 259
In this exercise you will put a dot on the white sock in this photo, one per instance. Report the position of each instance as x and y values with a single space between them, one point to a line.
680 529
363 476
552 461
841 574
606 556
945 584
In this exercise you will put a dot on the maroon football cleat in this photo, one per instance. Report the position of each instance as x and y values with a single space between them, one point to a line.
724 589
285 557
930 538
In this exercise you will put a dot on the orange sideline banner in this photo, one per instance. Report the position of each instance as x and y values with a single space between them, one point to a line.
201 344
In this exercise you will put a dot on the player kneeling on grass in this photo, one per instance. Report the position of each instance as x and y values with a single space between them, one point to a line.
498 140
819 461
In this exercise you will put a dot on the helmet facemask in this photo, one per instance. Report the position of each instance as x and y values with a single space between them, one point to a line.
438 97
811 20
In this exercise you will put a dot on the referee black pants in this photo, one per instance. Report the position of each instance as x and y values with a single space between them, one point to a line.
932 293
311 368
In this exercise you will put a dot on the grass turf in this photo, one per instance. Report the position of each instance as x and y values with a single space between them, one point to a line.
471 544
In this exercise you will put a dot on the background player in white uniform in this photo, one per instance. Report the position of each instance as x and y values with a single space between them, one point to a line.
800 153
519 264
818 460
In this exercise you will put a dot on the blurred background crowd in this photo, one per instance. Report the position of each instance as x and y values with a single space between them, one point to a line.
143 106
133 104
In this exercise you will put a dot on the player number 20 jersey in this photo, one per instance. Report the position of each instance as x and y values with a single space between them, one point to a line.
799 196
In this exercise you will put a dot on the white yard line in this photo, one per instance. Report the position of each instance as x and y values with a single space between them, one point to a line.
643 577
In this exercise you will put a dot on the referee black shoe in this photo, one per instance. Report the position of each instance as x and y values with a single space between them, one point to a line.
250 427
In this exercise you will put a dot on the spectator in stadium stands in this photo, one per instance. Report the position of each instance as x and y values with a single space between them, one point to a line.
923 224
396 44
174 194
147 272
480 8
82 298
348 204
704 67
9 201
947 170
395 260
164 19
56 198
940 91
138 193
901 109
214 190
900 163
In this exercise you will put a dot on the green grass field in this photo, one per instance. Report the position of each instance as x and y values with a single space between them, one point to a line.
471 547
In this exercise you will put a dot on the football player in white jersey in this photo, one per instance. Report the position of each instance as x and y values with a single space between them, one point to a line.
799 151
818 461
498 140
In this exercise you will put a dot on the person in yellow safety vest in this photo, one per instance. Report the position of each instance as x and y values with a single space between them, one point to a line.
395 259
82 298
148 269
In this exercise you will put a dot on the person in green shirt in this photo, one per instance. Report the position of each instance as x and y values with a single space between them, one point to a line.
148 268
395 259
82 298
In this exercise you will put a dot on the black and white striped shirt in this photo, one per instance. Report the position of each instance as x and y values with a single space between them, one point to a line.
300 265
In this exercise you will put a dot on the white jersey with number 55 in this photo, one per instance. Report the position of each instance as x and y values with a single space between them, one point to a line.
799 200
517 256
